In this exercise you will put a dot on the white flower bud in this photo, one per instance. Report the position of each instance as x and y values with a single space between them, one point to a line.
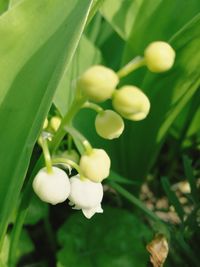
109 124
55 123
52 187
96 165
131 103
159 56
98 83
86 195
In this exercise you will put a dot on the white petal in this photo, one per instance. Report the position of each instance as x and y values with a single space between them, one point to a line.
90 212
85 193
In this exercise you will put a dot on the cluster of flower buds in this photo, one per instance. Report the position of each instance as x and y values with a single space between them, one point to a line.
53 124
99 84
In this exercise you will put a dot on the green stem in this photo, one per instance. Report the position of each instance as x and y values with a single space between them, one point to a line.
134 64
69 143
93 106
76 134
47 156
67 162
135 201
76 105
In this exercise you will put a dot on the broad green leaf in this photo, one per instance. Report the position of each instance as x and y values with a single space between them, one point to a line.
13 2
134 153
112 239
38 39
158 20
81 61
121 14
94 8
187 125
195 125
3 6
169 93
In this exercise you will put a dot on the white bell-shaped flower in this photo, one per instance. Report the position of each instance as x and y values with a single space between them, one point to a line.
159 56
96 165
86 195
109 124
52 187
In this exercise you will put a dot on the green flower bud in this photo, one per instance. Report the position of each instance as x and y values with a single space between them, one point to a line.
45 124
159 56
96 165
98 83
55 123
109 124
131 103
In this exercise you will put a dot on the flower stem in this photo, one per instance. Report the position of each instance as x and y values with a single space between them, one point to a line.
134 64
93 106
67 162
47 156
76 134
69 143
76 105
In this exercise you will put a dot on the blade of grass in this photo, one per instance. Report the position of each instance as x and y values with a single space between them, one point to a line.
172 198
191 179
138 203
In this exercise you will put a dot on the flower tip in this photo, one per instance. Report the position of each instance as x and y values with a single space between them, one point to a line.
159 56
88 213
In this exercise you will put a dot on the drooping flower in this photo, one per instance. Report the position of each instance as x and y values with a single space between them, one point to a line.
98 83
52 187
86 195
95 165
109 124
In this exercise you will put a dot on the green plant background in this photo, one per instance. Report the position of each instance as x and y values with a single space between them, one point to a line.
44 47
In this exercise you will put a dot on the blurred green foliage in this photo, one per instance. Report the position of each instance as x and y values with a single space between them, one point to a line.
115 239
